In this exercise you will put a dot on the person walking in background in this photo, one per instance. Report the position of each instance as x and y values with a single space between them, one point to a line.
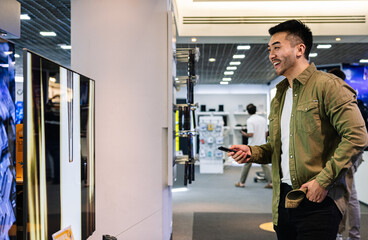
353 211
256 134
316 133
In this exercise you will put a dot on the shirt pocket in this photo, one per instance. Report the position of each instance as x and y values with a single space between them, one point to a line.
307 117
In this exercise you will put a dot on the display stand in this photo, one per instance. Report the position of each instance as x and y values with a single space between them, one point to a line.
211 134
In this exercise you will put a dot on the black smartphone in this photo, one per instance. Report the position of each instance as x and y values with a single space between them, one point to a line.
226 149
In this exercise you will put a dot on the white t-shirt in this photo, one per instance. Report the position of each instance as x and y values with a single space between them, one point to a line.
285 135
258 126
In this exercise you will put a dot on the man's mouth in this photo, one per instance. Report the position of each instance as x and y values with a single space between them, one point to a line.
275 64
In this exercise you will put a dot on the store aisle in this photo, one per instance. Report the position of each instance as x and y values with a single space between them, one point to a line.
214 195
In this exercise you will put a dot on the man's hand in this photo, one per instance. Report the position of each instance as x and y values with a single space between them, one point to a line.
315 193
241 155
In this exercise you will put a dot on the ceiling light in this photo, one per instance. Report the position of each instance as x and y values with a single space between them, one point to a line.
212 59
66 46
324 46
228 73
363 60
8 52
243 47
313 54
235 63
194 39
25 17
224 83
231 68
52 79
48 34
338 39
239 56
16 55
226 79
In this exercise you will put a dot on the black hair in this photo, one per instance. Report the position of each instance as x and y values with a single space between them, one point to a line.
251 109
337 72
297 29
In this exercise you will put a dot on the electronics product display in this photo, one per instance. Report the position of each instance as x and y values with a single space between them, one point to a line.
211 153
59 159
186 111
7 138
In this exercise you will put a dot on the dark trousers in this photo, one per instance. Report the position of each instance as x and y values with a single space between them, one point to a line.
309 221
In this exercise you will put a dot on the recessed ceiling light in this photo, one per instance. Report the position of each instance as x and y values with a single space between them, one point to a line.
226 79
25 17
194 39
324 46
52 79
48 34
338 39
363 60
224 83
212 59
228 73
243 47
16 55
231 68
66 46
239 56
235 63
313 54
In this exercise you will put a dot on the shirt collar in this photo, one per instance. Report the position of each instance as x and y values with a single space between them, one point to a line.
306 74
302 78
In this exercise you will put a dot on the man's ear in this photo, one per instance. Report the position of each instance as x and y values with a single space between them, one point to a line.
300 50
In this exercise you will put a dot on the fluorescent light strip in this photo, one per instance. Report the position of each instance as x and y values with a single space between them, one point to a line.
363 60
324 46
226 79
239 56
228 73
212 59
183 189
16 55
243 47
313 54
66 47
235 63
25 17
48 34
231 68
224 83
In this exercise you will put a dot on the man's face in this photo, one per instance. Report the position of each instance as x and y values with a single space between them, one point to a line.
281 53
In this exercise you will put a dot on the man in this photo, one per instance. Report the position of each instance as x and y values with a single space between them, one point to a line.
256 133
316 133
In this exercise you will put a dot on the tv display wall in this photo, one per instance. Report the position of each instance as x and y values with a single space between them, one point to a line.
59 157
7 142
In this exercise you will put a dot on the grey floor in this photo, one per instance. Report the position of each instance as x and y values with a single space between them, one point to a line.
217 193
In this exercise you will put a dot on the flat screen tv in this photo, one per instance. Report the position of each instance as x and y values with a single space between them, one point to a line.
59 159
357 78
7 142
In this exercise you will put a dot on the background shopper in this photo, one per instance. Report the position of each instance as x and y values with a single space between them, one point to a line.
256 133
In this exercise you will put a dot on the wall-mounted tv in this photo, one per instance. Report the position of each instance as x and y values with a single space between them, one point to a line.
7 142
357 78
59 159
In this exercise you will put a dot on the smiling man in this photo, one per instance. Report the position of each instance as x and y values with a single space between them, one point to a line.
316 132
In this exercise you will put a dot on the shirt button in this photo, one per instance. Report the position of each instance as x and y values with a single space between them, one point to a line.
295 94
291 156
306 109
291 135
293 179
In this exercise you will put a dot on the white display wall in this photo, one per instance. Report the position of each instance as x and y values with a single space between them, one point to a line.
361 179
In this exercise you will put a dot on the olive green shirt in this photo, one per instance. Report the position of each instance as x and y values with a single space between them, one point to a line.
327 134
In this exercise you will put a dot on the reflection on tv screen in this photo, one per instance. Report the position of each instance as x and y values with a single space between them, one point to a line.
59 159
357 78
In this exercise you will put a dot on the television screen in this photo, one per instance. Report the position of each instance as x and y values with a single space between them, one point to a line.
7 140
357 78
59 164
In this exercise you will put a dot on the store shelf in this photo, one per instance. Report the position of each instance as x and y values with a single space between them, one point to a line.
241 113
213 113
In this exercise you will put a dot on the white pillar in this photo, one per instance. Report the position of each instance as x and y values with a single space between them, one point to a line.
122 45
